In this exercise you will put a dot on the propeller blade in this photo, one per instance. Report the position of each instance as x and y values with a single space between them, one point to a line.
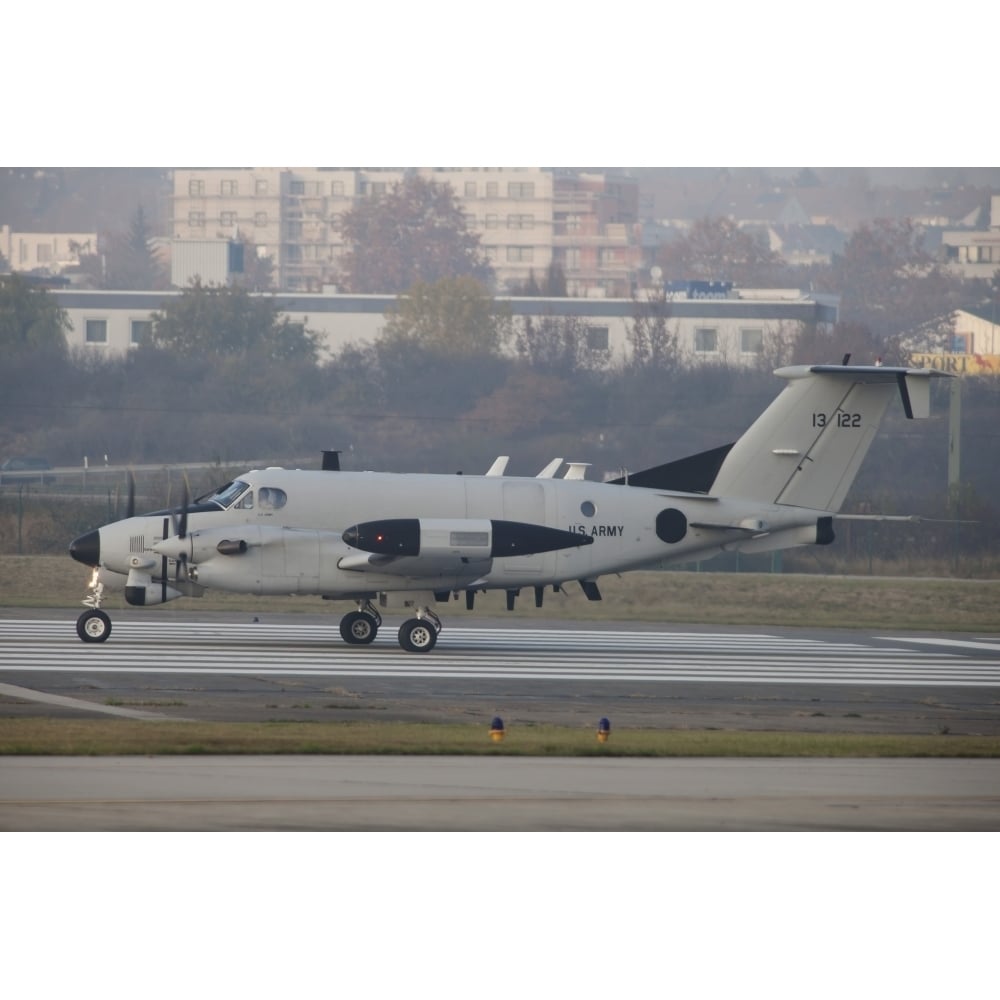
163 568
179 523
181 564
130 506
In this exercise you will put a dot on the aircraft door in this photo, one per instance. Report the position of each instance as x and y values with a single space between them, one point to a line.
524 500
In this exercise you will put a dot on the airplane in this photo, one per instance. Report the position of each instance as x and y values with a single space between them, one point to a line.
408 541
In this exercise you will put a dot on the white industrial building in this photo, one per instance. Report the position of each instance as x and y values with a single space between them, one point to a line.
736 326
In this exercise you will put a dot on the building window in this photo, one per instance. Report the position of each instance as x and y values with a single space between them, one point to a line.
196 220
610 256
470 189
520 222
227 219
260 185
260 219
228 187
492 189
572 258
520 255
706 340
296 187
470 221
492 222
314 188
196 187
141 332
337 187
44 253
294 230
521 189
96 331
597 338
752 341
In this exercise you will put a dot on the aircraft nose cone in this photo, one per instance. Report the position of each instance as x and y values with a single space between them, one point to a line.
87 549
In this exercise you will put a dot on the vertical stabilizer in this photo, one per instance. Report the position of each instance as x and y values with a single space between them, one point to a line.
806 448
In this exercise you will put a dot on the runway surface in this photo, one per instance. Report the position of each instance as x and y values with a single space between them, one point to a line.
229 667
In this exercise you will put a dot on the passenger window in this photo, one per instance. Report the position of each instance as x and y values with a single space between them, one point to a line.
271 498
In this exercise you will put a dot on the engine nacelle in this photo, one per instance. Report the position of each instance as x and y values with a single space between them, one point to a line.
466 538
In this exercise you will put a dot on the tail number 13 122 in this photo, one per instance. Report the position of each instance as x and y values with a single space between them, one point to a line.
838 419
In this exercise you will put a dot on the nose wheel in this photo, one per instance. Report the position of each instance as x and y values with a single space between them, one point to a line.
93 626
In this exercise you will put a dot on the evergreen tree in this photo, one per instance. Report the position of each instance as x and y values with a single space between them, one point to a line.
133 262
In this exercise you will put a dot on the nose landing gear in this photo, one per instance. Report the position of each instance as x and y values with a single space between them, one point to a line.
94 625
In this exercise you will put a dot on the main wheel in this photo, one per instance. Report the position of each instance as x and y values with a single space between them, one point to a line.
93 626
417 635
358 628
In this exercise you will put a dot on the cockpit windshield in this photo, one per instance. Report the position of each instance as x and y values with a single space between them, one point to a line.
226 495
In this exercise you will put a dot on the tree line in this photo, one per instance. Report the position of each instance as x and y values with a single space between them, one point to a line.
455 381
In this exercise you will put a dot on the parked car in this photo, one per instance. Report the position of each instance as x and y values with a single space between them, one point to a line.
26 469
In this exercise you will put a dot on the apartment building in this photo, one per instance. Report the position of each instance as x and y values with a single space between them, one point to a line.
975 253
526 218
52 252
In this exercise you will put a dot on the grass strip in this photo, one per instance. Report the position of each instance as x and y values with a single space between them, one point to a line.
114 737
755 599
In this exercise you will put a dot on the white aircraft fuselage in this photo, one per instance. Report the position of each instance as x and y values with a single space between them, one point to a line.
413 539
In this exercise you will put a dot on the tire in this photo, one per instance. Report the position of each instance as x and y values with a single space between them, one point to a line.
417 635
93 626
358 628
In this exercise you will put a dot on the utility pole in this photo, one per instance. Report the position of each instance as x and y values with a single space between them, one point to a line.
955 437
954 461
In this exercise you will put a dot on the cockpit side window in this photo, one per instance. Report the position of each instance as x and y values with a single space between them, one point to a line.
224 496
245 502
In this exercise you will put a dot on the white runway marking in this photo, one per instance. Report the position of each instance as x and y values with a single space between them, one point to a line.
258 649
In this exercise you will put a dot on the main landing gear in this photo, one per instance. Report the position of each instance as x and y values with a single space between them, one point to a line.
416 635
360 627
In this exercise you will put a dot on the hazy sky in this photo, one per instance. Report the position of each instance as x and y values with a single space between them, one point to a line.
672 84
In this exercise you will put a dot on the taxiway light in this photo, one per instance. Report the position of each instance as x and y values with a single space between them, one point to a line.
496 729
603 730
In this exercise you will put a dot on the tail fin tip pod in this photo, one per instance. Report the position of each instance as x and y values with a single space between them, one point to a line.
806 448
